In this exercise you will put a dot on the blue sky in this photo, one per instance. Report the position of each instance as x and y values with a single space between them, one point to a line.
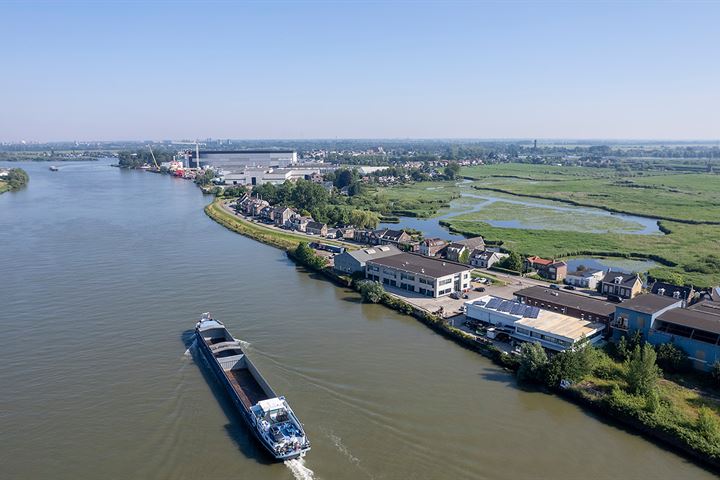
160 70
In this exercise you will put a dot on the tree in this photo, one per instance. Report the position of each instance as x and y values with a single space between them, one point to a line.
533 361
571 365
17 178
672 359
206 178
364 219
371 292
643 372
344 177
512 262
308 195
451 170
465 256
307 256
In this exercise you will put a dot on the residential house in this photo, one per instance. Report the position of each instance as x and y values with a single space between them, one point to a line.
485 259
333 233
281 215
254 206
456 250
316 228
587 278
299 222
549 269
621 285
432 247
420 274
674 291
346 232
352 262
392 237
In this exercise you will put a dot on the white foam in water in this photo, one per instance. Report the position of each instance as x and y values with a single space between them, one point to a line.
299 470
343 449
188 352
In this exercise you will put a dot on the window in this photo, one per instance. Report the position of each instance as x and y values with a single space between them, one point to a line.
445 282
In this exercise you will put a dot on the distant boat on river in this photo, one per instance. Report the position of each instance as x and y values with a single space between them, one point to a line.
53 168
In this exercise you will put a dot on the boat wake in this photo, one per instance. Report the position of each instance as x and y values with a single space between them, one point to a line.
299 470
188 352
337 441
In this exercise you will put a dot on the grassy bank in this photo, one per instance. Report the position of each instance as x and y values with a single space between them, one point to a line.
3 186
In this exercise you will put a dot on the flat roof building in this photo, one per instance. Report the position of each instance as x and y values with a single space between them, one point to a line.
351 262
235 161
420 274
527 323
572 304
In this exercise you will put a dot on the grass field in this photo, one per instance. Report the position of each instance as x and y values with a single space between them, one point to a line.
678 197
422 199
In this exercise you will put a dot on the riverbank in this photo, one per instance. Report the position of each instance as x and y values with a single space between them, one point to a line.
585 395
271 236
13 179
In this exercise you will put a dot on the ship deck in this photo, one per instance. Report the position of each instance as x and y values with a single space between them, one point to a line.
247 388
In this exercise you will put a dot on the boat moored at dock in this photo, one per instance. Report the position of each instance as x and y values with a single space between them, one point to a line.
268 415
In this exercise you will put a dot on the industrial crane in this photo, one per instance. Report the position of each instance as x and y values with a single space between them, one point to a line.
197 151
153 157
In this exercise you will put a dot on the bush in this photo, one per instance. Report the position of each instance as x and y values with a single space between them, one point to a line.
371 292
715 372
306 256
707 425
17 178
672 359
533 363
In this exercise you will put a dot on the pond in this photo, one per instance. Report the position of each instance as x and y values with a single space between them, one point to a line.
510 212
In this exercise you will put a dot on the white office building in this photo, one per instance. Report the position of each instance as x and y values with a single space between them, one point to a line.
235 161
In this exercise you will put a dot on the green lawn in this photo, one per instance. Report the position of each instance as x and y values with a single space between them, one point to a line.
422 199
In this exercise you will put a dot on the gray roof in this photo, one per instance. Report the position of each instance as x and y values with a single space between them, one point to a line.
628 279
366 254
583 273
421 264
649 303
472 243
316 225
569 300
709 322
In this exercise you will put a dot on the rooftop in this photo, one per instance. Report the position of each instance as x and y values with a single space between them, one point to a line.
570 300
539 261
374 252
560 325
421 264
693 318
649 303
583 273
627 279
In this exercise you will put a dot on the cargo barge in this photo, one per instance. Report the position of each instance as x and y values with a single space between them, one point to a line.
268 415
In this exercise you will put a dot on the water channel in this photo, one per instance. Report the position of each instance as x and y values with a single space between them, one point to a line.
104 271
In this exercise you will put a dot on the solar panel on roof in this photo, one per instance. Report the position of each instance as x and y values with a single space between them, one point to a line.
494 302
506 306
533 313
517 309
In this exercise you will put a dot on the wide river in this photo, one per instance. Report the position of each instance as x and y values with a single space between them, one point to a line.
102 274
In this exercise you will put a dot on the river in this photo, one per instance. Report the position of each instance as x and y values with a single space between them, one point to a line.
105 271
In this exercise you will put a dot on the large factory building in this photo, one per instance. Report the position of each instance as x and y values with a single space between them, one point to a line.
236 161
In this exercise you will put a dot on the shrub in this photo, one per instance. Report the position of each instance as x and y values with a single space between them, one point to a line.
715 372
307 256
533 363
672 359
707 425
371 292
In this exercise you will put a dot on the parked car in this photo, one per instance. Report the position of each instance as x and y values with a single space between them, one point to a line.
569 287
554 286
479 289
455 295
